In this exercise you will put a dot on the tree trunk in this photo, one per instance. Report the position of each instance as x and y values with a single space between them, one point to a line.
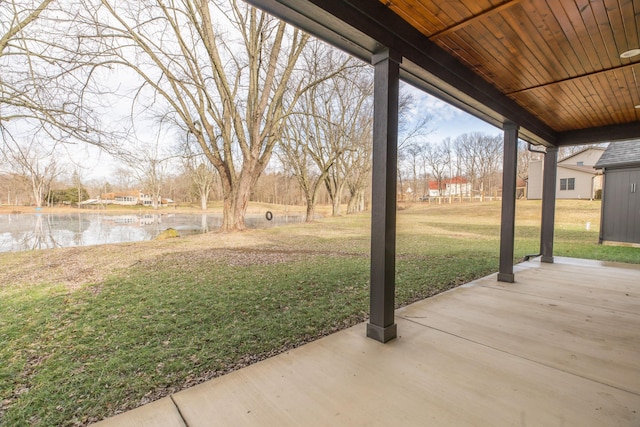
203 200
236 199
311 210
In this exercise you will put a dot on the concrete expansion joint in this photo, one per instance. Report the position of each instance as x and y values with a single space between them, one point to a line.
179 411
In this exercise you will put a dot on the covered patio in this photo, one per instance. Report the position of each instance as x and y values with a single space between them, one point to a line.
547 342
550 72
559 347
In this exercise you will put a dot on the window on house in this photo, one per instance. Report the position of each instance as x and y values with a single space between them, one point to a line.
567 184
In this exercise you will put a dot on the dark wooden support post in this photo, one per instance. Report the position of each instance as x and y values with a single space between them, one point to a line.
548 204
508 218
381 326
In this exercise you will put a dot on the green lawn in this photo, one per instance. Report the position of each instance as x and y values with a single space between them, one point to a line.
89 332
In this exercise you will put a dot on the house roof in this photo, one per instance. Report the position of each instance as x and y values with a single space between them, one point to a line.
586 169
622 153
580 152
557 69
433 185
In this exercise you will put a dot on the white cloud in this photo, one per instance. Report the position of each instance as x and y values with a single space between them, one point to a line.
447 120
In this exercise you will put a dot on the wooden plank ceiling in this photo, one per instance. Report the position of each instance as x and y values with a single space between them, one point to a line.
558 59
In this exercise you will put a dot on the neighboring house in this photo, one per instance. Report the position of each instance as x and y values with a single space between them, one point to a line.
129 198
577 177
620 218
456 186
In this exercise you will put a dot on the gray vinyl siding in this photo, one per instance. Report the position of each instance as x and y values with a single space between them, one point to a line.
621 207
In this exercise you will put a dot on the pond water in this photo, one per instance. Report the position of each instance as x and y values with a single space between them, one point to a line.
26 231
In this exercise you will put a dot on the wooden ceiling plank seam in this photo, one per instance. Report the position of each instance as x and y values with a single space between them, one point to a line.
635 79
634 94
564 109
625 77
524 29
627 107
573 112
604 27
527 63
595 105
594 110
599 36
560 106
570 111
472 19
472 60
618 104
430 23
477 7
475 53
433 14
480 48
624 101
455 11
569 31
539 104
622 24
557 34
583 36
636 8
611 103
484 48
536 14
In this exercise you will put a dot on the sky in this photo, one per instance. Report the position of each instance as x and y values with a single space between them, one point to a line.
448 121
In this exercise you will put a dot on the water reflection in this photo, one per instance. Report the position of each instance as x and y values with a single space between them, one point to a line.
20 232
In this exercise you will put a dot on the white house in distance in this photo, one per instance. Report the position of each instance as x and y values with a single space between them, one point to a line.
127 198
456 186
576 178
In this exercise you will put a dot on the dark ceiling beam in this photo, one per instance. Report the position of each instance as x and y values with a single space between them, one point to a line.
489 12
599 134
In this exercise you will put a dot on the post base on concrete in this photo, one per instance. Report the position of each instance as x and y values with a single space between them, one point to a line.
508 278
381 334
548 259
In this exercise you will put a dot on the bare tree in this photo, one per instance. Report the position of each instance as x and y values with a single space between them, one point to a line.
435 158
34 164
327 129
151 164
412 155
348 131
223 82
297 155
490 161
203 178
467 154
358 163
45 74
